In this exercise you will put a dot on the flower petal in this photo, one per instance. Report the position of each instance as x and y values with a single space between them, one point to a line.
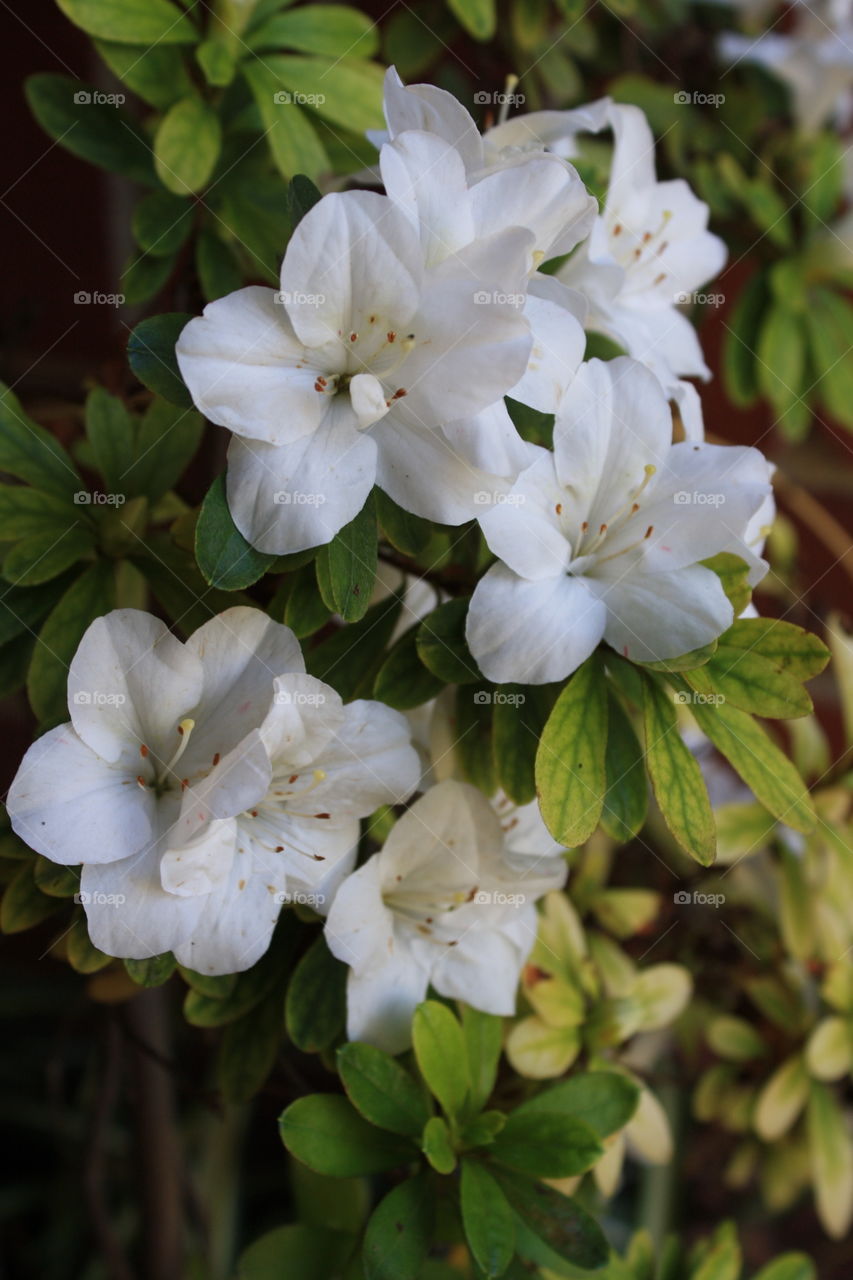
655 616
370 761
532 632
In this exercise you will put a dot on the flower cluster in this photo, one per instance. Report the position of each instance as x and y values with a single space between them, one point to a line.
202 785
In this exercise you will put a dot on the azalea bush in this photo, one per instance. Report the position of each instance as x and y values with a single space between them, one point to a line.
427 806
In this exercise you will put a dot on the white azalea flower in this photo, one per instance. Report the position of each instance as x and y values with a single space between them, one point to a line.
604 536
348 380
814 59
439 905
194 780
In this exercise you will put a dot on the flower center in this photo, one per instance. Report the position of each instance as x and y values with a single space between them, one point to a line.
163 777
591 541
267 819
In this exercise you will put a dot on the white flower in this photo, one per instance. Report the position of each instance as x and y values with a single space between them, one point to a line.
815 60
649 251
182 784
439 905
349 378
604 536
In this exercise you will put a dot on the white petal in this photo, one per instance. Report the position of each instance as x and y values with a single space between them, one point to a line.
425 177
359 927
298 496
129 912
439 844
304 717
655 616
532 632
381 1002
368 399
425 107
555 314
240 779
522 527
490 442
540 192
424 474
352 256
199 866
241 652
370 761
121 659
241 362
72 806
483 969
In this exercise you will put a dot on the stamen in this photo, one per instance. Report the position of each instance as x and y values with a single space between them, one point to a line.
185 728
511 82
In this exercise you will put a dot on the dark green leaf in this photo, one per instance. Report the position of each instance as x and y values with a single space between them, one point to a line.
24 905
218 269
315 1010
739 366
151 352
86 599
398 1234
298 1252
166 441
626 797
162 222
488 1220
81 954
295 146
43 556
131 21
144 276
76 115
348 563
403 681
109 428
306 611
333 29
350 658
604 1100
30 453
442 646
676 777
302 195
408 533
152 972
155 72
557 1220
437 1145
224 556
546 1144
248 1050
518 721
483 1037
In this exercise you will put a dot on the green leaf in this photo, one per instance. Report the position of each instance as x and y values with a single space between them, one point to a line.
546 1144
105 135
297 1251
831 1159
55 880
518 721
478 17
109 428
224 556
151 353
830 323
604 1100
441 1055
167 438
302 195
213 986
81 954
218 269
14 660
437 1145
42 557
790 1266
349 565
155 72
570 762
397 1237
306 611
748 680
409 534
734 576
350 658
332 29
781 356
153 972
792 649
556 1220
626 797
86 599
24 905
686 661
442 647
326 1132
315 1009
23 608
25 511
676 777
473 745
131 21
764 768
187 145
294 145
161 223
177 584
250 988
346 91
483 1037
382 1090
217 62
144 276
403 681
30 453
487 1218
248 1051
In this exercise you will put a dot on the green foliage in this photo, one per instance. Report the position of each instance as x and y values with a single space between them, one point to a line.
570 761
